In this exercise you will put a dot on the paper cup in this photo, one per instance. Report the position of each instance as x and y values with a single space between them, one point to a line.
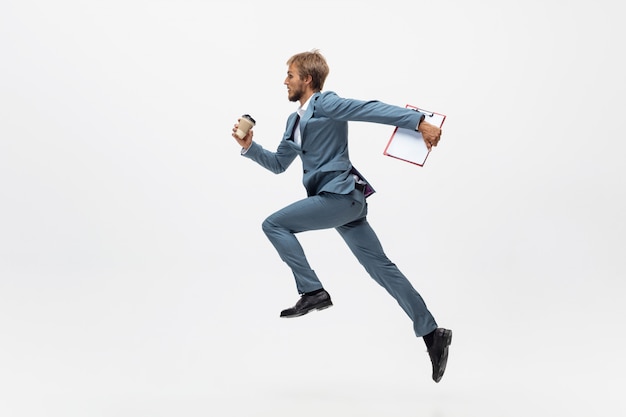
246 122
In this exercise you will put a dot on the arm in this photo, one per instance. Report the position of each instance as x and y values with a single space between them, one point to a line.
331 105
276 162
334 107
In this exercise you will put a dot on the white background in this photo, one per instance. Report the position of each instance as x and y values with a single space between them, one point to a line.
135 279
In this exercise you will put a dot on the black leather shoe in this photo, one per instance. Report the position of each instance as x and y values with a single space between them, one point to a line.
438 352
308 303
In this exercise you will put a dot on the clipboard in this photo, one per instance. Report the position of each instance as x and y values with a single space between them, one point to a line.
408 144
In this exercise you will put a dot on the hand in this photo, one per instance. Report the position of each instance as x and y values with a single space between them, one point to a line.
246 141
430 133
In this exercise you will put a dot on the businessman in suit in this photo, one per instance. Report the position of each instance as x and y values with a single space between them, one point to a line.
318 133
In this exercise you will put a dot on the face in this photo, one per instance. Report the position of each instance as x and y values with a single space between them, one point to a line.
295 85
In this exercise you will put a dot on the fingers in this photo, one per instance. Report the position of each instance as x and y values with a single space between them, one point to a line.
246 140
430 133
431 141
434 139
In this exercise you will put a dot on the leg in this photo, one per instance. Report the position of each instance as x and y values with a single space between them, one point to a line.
323 211
367 248
365 245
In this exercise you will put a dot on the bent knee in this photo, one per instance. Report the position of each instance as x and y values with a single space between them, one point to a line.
268 225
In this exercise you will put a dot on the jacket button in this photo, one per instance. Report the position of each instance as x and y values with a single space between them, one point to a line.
306 171
303 152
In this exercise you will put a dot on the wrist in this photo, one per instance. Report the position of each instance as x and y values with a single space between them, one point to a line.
422 117
244 149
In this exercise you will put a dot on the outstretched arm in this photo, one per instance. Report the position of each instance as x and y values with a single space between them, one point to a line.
335 107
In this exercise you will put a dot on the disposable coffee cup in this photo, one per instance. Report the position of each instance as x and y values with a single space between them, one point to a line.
246 122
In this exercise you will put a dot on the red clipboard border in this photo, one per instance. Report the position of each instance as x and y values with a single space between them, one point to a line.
421 110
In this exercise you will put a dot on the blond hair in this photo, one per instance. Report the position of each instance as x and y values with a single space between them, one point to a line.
311 63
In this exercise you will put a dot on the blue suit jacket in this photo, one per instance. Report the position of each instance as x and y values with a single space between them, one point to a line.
324 132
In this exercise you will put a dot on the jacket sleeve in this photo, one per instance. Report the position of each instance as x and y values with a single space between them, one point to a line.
334 107
277 162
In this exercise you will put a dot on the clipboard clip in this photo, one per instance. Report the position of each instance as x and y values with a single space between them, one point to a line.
425 112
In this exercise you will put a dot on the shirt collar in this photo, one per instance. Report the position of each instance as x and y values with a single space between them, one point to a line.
302 109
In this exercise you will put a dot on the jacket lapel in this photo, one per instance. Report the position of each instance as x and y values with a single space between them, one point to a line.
291 126
308 114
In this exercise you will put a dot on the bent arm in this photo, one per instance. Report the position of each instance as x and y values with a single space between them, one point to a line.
277 162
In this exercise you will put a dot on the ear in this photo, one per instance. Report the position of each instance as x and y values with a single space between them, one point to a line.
308 80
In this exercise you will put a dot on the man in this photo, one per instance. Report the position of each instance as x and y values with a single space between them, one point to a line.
318 133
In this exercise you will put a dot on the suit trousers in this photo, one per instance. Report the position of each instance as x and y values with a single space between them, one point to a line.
347 214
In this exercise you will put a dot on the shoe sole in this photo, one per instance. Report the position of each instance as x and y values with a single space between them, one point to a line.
322 306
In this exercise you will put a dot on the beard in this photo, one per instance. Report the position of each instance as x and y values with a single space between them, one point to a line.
295 95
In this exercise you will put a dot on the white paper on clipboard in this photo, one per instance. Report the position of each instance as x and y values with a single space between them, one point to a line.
408 144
